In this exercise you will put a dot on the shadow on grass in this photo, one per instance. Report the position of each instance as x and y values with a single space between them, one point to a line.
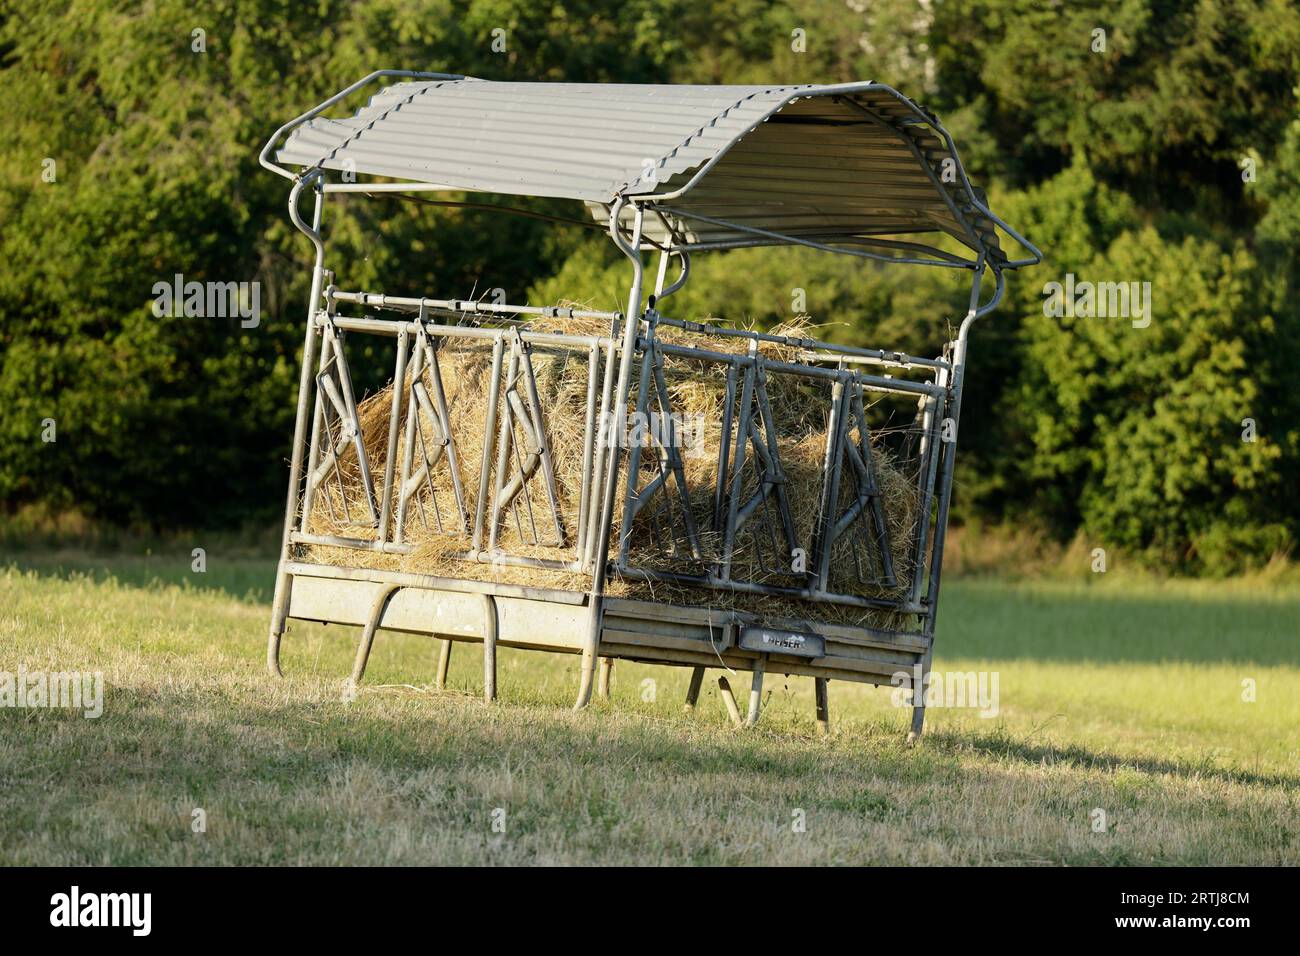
1002 744
297 780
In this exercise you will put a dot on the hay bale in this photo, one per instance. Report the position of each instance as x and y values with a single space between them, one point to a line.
799 407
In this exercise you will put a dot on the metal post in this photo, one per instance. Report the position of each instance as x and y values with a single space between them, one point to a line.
756 691
606 673
317 426
444 664
823 705
395 414
947 450
489 649
591 641
280 602
728 698
693 691
489 424
588 450
412 426
606 430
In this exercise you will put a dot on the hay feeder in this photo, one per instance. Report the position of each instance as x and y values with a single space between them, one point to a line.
634 485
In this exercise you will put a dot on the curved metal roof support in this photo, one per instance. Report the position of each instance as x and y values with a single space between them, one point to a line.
950 262
1036 254
662 292
724 244
264 156
923 163
613 432
312 231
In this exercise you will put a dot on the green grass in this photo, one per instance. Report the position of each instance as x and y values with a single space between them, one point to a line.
1117 694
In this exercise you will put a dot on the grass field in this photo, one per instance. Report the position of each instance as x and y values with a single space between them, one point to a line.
1119 695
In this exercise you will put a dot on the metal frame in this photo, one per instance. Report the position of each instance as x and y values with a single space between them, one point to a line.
631 358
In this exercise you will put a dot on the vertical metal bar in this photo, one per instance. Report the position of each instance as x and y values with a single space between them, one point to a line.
825 541
662 273
606 675
408 442
591 641
932 422
724 448
317 426
394 415
504 441
605 425
588 450
280 601
489 425
949 448
631 500
756 691
444 664
823 704
949 452
489 649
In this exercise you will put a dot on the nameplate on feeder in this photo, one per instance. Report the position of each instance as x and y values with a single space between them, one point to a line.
769 640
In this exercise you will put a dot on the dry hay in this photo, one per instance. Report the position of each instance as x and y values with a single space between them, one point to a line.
799 407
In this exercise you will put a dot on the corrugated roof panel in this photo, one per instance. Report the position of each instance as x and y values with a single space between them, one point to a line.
824 161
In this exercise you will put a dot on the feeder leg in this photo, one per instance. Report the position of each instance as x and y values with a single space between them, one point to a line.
279 619
693 691
918 698
283 581
606 672
368 633
489 649
728 698
273 651
823 705
444 664
918 721
590 645
755 693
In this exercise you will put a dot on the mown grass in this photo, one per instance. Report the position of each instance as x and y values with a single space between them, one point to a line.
1123 695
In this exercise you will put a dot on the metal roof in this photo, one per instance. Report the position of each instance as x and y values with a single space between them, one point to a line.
722 166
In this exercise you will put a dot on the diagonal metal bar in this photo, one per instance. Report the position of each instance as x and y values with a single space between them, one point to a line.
538 423
737 469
